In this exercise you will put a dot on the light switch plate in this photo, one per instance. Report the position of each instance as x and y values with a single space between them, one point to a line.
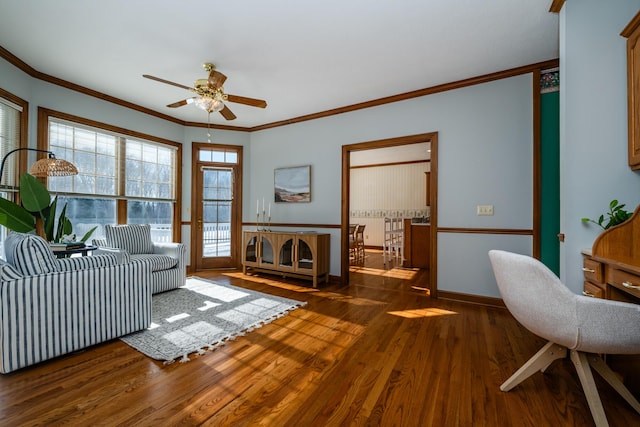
485 210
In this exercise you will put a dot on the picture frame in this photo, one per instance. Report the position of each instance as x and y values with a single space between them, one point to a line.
292 184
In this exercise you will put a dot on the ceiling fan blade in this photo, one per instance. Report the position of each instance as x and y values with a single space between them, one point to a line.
227 113
216 79
247 101
158 79
179 103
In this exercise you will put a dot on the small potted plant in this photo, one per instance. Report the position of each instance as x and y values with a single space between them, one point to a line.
616 215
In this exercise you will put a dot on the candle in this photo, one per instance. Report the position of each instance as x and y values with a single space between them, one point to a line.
263 205
258 207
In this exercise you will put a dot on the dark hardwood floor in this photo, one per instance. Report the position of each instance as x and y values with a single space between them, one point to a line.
377 352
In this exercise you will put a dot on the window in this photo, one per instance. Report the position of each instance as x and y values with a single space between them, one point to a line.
13 124
10 115
121 178
218 155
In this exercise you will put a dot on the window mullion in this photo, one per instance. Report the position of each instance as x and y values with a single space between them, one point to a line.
122 167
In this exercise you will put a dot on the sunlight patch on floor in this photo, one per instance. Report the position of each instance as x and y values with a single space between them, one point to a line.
271 282
396 273
302 289
422 312
348 298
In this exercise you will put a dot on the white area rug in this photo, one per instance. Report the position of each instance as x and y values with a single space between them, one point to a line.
203 315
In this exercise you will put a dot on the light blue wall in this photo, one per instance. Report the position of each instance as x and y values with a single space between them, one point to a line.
485 157
593 123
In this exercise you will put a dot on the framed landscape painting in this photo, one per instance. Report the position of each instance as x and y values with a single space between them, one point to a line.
292 185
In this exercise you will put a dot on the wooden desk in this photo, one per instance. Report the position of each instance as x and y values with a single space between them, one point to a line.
610 279
612 271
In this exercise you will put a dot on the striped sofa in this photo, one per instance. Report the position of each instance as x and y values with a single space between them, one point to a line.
133 242
50 307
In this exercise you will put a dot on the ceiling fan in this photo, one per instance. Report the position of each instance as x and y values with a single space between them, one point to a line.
210 94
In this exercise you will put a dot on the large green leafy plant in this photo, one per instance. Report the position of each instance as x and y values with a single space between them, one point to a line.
616 215
36 207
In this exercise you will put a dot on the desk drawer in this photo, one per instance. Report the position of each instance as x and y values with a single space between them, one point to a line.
591 290
627 282
593 270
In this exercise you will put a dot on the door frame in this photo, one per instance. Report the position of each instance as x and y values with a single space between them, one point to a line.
236 220
431 137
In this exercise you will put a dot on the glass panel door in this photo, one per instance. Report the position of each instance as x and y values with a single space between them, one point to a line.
214 217
216 206
216 200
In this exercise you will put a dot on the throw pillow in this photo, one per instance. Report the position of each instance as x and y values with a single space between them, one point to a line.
134 238
29 254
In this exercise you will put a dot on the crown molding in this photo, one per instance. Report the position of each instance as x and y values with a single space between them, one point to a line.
556 6
417 93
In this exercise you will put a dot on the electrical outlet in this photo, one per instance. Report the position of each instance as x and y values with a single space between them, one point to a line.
485 210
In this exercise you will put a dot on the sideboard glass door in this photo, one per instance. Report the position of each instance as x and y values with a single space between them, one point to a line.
266 252
251 250
285 258
305 256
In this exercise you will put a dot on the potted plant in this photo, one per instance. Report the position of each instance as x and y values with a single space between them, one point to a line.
37 212
616 215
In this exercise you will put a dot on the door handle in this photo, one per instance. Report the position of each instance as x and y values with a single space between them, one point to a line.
199 221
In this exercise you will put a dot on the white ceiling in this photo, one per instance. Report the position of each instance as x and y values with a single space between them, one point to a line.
302 57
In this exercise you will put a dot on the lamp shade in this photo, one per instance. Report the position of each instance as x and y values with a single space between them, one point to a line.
53 167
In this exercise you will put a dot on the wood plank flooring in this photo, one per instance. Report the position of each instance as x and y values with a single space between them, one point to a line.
375 353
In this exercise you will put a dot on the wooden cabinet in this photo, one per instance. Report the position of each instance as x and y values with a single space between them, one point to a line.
417 244
632 33
301 255
259 250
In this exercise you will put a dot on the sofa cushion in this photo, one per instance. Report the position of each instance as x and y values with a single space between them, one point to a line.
29 254
134 238
158 262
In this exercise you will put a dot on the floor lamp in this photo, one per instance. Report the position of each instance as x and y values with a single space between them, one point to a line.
49 166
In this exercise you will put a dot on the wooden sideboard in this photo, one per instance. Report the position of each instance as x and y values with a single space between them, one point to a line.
612 271
300 255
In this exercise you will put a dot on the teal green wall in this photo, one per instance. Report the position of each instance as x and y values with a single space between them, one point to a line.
550 180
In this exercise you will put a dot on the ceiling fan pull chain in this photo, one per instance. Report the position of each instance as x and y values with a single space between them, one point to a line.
208 126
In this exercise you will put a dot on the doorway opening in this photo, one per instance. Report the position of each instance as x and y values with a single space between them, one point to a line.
431 198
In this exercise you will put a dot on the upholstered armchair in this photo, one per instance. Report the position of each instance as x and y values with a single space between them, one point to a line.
133 241
581 326
50 307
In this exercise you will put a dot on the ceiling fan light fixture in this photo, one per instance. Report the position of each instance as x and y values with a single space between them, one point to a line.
208 104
